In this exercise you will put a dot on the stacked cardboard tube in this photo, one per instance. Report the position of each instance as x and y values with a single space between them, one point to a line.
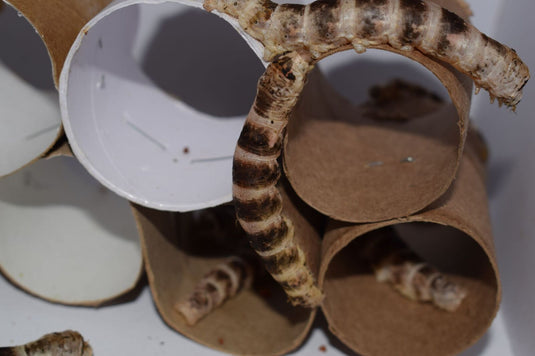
336 194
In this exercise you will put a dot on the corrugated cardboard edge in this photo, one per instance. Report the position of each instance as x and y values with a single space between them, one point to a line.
248 324
463 208
325 181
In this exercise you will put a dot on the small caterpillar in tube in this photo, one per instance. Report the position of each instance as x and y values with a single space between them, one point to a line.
326 26
394 262
66 343
217 286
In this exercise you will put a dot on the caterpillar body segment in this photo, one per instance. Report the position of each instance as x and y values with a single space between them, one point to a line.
256 173
395 263
326 26
66 343
219 285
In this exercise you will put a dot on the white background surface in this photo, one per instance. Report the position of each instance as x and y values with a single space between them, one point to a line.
134 327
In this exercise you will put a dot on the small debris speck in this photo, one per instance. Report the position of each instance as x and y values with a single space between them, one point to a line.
407 160
175 160
186 150
162 343
265 292
323 348
375 164
220 341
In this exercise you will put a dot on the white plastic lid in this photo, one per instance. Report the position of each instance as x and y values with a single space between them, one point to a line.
134 138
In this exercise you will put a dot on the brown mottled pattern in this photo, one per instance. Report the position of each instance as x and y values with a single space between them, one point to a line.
270 237
414 16
394 262
259 208
66 343
217 286
256 173
283 28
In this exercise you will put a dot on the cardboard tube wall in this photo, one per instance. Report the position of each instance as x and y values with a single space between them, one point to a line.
454 234
259 320
29 110
332 146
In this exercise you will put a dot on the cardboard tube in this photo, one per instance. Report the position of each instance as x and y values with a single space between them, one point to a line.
29 110
453 234
158 146
58 23
257 321
332 146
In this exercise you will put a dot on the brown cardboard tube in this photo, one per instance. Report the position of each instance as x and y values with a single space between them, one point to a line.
453 234
257 321
331 147
58 22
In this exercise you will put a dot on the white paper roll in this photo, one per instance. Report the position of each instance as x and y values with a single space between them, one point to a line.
136 139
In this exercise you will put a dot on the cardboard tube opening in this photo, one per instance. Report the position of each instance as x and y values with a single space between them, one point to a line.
179 251
374 319
357 165
66 238
29 110
360 168
136 95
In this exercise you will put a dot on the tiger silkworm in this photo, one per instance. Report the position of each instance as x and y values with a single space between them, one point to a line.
66 343
256 173
327 26
394 262
217 286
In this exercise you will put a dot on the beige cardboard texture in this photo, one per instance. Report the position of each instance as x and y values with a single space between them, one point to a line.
354 168
258 320
453 234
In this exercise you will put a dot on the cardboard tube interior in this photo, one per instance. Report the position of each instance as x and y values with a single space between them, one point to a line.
332 150
258 320
146 99
454 235
66 238
29 109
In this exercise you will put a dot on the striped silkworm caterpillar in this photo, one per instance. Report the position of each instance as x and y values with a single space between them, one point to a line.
256 173
327 26
219 285
66 343
394 262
